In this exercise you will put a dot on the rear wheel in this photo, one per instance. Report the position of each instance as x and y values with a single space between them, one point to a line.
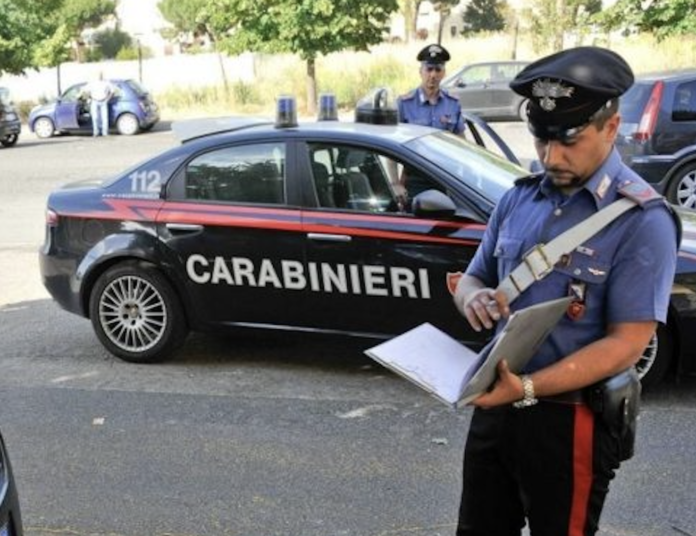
44 127
682 187
657 358
9 140
136 314
522 110
127 124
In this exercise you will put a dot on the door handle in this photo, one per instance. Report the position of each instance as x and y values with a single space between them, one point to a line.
184 227
320 237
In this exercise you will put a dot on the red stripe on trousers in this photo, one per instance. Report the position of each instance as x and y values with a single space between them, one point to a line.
582 469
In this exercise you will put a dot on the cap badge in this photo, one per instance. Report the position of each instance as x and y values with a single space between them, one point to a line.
434 50
548 91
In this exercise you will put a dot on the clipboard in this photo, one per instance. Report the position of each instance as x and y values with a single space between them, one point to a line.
455 374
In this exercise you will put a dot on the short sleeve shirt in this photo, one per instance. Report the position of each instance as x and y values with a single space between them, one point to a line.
624 273
445 114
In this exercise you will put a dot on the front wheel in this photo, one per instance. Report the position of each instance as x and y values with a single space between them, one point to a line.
44 127
9 140
653 365
136 313
682 187
128 125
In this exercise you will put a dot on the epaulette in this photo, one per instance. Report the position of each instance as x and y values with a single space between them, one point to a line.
640 193
409 95
532 178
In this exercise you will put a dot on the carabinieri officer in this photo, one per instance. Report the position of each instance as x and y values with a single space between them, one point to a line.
428 104
540 449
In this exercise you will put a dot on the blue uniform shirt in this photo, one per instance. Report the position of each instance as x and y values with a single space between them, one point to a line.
445 114
625 271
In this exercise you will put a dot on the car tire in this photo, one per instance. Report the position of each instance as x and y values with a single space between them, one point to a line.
682 187
9 140
657 358
136 313
127 124
522 110
44 127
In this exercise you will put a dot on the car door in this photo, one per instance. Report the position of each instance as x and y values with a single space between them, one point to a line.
227 226
69 109
373 267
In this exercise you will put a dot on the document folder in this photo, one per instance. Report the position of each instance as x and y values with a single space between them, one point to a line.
455 374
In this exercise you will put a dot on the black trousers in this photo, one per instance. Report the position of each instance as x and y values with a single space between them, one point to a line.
549 465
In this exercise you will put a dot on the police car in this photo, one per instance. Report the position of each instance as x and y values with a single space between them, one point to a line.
326 226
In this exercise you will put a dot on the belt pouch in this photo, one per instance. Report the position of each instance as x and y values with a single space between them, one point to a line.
616 401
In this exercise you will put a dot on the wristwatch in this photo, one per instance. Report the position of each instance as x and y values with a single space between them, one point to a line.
528 388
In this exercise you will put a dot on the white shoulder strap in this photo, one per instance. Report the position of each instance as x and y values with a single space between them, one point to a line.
540 260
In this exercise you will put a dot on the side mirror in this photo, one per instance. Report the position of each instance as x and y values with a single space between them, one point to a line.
460 83
433 204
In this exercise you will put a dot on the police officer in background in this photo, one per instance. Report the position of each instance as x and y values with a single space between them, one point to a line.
539 450
429 104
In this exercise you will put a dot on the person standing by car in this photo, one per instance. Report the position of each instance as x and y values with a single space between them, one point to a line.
539 449
429 104
99 92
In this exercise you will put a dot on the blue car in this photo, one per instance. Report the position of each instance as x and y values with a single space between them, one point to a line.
131 110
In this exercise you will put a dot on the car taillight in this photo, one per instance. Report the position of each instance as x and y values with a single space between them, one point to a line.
51 218
648 120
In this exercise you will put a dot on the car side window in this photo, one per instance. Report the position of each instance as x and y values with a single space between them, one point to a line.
72 94
356 178
477 74
243 174
684 106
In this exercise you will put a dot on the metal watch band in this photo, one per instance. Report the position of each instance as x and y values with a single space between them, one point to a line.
529 397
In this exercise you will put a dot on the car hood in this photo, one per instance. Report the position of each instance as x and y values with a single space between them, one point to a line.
42 108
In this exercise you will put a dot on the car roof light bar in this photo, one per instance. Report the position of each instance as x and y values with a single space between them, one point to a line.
286 112
328 108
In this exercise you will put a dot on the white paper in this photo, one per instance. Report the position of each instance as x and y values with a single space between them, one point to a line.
456 374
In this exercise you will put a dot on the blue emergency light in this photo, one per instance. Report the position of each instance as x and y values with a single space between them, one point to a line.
328 109
286 112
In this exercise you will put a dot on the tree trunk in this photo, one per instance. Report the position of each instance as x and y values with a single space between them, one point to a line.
311 87
560 26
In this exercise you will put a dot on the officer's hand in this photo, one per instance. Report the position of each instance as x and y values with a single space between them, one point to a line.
506 389
484 307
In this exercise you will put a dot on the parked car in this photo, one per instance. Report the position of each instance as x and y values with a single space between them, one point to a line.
484 89
131 110
254 224
658 133
10 125
10 515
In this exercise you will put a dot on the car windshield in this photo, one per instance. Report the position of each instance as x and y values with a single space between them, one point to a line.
479 169
4 95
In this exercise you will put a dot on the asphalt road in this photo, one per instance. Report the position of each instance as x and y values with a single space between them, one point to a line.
250 434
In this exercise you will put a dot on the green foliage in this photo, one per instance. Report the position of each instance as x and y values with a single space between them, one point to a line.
111 42
131 52
552 19
308 28
484 16
663 18
36 33
185 15
24 25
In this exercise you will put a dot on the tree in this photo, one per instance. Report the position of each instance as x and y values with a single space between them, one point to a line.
409 10
660 17
483 16
24 26
552 19
306 27
444 8
112 41
192 17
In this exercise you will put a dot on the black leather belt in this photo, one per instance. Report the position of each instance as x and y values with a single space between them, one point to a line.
571 397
